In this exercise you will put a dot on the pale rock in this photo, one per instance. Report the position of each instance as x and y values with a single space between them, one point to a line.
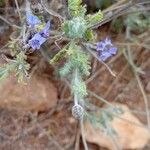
38 94
130 135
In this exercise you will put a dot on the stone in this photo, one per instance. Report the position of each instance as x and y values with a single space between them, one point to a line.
129 135
148 87
39 94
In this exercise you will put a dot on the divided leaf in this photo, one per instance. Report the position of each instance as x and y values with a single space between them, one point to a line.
75 8
94 19
75 28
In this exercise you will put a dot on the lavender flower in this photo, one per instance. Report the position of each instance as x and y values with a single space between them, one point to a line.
37 38
32 20
106 49
36 41
45 32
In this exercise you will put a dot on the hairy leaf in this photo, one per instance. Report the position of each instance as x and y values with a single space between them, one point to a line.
75 8
95 18
75 28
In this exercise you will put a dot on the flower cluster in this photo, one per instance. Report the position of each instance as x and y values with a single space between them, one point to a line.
106 49
38 38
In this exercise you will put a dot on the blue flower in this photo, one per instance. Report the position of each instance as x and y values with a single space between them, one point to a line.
106 49
36 41
32 20
45 32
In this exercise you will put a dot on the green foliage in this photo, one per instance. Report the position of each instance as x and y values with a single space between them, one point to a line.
58 56
89 35
18 66
102 4
94 19
81 61
66 69
2 2
137 21
3 72
103 118
75 28
21 67
78 26
13 46
75 8
117 25
79 88
77 59
77 66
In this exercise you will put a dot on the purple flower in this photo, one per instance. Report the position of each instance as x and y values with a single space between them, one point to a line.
106 49
45 32
36 41
32 20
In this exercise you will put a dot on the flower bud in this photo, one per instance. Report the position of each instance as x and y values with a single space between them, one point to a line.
77 111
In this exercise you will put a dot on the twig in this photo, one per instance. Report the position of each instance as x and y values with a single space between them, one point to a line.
102 69
83 135
77 143
16 2
112 12
9 23
51 12
57 43
108 126
102 99
134 44
94 66
88 48
115 81
130 122
140 84
121 118
44 132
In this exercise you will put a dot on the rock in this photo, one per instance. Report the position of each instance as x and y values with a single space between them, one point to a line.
129 135
39 94
148 87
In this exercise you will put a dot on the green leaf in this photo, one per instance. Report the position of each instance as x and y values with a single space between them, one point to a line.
2 3
75 28
3 73
79 59
89 36
21 67
58 56
94 19
117 25
137 22
79 88
66 69
18 66
75 8
13 47
74 4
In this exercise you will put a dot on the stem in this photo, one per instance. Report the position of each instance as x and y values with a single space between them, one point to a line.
75 99
113 138
129 56
83 135
27 9
18 10
76 81
109 69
